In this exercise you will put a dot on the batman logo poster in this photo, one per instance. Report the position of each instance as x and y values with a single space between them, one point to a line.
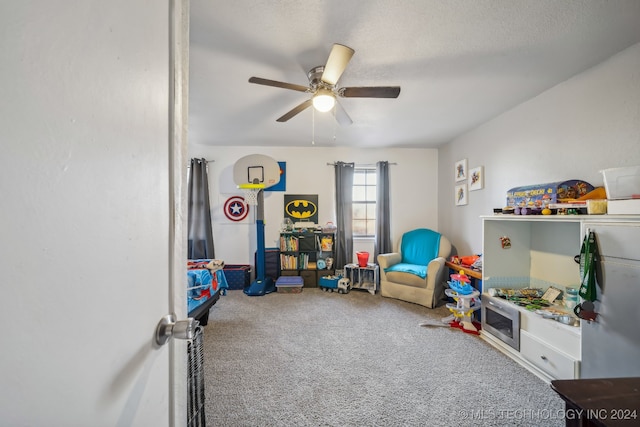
301 208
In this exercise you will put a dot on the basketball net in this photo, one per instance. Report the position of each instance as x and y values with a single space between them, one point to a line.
251 192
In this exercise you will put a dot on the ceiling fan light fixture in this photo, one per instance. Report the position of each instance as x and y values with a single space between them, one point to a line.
323 89
324 100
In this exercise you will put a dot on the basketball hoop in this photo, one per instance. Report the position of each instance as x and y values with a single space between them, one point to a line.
251 192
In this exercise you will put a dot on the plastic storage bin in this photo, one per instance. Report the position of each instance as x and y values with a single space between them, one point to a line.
622 183
289 284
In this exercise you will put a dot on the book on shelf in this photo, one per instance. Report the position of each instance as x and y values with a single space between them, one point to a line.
288 243
288 262
304 261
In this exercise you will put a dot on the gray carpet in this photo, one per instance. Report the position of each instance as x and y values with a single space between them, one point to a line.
324 359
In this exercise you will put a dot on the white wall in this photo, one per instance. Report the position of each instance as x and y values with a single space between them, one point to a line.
572 131
412 180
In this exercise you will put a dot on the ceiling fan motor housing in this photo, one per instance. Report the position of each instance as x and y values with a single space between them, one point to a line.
315 77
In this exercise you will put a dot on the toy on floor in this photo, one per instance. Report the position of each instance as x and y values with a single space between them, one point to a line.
466 302
339 284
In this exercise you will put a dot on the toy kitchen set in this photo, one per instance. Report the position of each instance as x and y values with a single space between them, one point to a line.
561 291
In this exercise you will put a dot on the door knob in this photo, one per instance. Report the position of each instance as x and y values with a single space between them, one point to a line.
168 327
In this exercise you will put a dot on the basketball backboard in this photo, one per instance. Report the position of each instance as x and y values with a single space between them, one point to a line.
256 169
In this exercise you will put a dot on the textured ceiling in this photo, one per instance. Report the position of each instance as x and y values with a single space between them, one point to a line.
459 63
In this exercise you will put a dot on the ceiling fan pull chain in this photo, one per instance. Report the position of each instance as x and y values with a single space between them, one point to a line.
313 126
335 123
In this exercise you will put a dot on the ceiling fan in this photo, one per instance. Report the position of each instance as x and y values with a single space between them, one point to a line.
323 81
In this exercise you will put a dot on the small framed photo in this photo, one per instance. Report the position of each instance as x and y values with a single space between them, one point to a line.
476 178
461 194
461 170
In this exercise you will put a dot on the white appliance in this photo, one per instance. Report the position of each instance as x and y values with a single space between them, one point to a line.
611 343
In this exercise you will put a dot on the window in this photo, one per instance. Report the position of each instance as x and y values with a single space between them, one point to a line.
364 202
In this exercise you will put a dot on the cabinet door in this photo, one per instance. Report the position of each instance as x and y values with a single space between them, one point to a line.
611 344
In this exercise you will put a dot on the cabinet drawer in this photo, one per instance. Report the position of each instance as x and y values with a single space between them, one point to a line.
562 337
309 277
555 363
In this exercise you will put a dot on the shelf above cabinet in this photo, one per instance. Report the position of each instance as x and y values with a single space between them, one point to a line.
562 218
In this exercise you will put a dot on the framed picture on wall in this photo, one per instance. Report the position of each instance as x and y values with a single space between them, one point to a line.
476 178
461 170
461 194
301 207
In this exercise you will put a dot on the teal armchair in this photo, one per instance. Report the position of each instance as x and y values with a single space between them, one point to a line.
416 273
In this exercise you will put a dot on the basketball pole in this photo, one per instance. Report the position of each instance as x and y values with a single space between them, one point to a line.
260 261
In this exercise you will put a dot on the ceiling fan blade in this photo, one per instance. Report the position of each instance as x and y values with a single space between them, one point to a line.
370 92
341 115
338 59
267 82
306 104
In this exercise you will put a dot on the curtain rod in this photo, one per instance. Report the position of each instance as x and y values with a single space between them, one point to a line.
361 165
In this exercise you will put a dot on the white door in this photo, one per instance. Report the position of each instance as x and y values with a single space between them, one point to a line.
86 225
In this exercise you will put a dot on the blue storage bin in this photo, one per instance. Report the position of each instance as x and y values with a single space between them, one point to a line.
238 275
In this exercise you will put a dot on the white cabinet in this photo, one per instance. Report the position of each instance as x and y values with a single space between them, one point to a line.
538 252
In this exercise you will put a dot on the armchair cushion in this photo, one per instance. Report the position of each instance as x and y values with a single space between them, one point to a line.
420 246
418 270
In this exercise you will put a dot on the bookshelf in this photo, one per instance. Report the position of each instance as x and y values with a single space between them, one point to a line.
309 254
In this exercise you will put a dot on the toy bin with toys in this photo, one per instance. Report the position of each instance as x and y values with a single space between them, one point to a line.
289 284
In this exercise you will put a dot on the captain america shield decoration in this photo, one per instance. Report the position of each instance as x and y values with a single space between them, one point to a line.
235 208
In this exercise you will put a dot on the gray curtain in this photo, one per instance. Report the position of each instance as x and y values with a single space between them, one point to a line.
200 232
383 235
344 214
